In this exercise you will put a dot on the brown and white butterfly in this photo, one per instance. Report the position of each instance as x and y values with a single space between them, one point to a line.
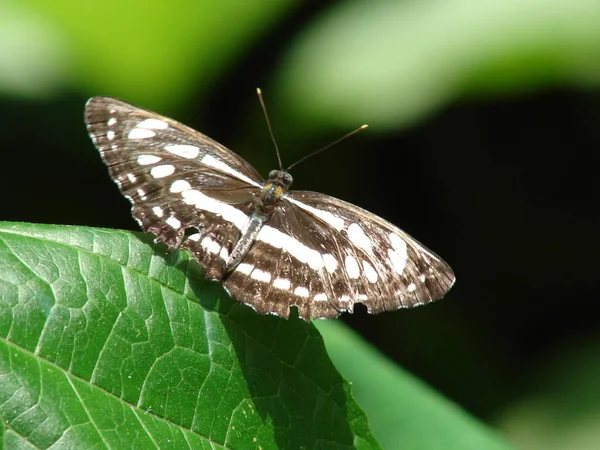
272 248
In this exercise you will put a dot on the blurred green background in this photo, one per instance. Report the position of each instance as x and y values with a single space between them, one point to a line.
483 144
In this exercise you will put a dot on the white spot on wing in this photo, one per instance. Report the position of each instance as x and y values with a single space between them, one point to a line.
180 186
301 291
411 287
173 222
227 212
142 194
141 133
162 171
320 297
370 272
210 245
358 237
282 283
399 255
153 124
110 135
131 177
111 121
260 275
158 212
183 150
211 161
398 263
145 160
224 254
330 263
194 237
399 244
245 268
294 247
327 217
352 268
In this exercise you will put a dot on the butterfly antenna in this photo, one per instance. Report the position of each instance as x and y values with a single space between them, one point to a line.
337 141
264 108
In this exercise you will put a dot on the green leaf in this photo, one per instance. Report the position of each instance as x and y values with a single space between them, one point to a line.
559 405
403 412
390 63
33 59
151 51
107 341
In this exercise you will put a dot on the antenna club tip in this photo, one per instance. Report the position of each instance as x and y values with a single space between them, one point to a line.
364 127
258 91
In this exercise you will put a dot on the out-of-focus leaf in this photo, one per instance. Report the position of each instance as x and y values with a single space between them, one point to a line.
105 341
152 51
402 411
33 54
391 62
561 410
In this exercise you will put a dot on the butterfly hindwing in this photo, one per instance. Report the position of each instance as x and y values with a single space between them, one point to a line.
284 268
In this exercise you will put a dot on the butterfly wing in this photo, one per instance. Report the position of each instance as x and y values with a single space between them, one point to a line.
175 178
323 255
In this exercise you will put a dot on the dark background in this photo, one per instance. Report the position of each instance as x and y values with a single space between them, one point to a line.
502 185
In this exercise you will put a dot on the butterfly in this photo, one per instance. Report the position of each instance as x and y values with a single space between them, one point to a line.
272 248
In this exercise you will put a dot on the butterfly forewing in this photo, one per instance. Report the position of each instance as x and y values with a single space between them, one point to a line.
176 178
308 250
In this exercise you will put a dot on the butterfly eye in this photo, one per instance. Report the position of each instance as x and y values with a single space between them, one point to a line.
281 176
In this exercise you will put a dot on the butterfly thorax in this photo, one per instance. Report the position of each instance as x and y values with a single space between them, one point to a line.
278 184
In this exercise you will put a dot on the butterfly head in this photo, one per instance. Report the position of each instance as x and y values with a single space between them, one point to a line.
281 178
